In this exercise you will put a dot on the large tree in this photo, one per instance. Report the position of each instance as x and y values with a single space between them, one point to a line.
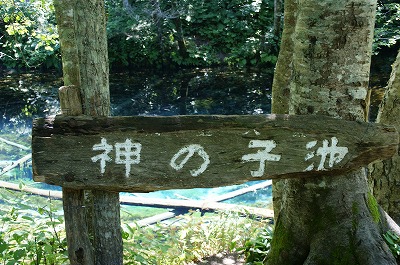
385 175
323 68
280 86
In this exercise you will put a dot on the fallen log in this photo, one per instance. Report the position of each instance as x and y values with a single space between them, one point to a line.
195 204
20 146
155 202
15 164
36 191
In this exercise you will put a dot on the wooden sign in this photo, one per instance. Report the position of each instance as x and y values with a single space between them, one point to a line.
142 154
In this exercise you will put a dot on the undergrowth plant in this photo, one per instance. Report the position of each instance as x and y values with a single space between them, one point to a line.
393 241
256 248
190 238
30 233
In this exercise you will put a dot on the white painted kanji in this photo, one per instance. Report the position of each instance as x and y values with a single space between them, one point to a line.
335 153
124 153
103 157
262 155
190 150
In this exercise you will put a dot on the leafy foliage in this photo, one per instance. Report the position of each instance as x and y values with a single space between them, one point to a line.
28 34
231 31
165 33
393 241
387 28
32 232
190 239
28 234
256 249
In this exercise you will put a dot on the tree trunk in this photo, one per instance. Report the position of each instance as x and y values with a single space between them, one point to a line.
280 85
80 249
82 28
278 5
330 220
270 45
179 38
385 175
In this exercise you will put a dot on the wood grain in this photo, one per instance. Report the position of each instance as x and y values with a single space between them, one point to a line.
62 149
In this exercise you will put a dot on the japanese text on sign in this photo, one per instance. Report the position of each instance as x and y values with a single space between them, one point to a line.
128 154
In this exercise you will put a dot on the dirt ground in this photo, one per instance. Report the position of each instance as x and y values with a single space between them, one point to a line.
222 259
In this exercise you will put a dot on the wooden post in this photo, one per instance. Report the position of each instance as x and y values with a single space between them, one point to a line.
82 28
80 250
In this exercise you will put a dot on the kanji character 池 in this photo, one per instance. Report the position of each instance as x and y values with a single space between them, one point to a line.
335 153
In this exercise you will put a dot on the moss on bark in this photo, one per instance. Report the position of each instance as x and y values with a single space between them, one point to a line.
373 207
282 241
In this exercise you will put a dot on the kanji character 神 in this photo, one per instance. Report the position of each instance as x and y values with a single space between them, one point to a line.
103 146
125 150
123 154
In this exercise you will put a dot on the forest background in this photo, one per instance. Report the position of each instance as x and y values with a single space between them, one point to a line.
167 34
162 35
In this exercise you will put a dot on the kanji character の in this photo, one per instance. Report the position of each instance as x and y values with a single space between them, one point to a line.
190 150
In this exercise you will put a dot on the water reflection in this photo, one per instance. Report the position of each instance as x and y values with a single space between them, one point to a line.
25 96
205 91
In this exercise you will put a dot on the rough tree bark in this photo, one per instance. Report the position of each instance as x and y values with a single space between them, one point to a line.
330 220
385 175
82 29
280 85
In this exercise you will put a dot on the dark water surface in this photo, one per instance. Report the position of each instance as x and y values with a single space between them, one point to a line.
189 92
200 91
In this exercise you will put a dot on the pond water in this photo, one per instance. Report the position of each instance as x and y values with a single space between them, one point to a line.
196 91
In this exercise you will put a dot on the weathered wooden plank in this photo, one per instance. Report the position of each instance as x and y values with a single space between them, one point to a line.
141 154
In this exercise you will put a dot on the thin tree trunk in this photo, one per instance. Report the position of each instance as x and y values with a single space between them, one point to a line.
270 45
278 5
85 65
330 220
179 38
385 175
92 40
80 249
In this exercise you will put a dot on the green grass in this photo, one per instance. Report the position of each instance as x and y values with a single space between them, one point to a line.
32 232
